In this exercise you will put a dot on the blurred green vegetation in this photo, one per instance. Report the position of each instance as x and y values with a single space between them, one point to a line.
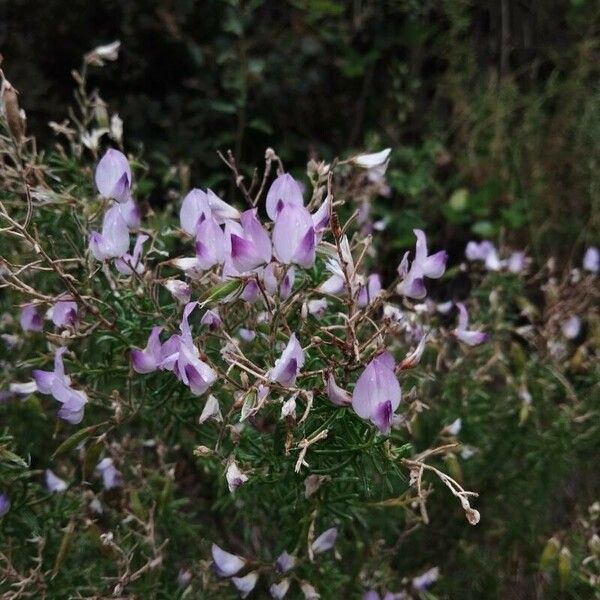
492 108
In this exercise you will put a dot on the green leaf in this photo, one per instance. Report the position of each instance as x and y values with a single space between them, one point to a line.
76 438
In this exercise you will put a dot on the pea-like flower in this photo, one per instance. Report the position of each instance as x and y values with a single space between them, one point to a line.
423 265
326 541
113 242
57 384
113 176
225 563
368 293
131 263
245 584
288 365
111 477
294 237
250 245
471 338
64 313
591 260
377 392
148 359
284 191
54 483
30 319
198 203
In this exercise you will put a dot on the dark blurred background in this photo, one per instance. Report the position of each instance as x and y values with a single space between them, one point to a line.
492 108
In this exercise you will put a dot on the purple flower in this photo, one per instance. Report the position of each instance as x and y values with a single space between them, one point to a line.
288 365
30 319
113 242
235 478
284 191
131 263
4 504
64 313
148 359
285 562
591 260
225 563
325 541
279 590
180 290
336 394
320 218
367 293
246 334
57 384
245 584
270 280
472 338
198 203
294 238
54 483
181 356
211 410
111 477
131 214
211 247
113 176
251 291
424 265
252 248
317 307
377 392
211 319
194 205
73 402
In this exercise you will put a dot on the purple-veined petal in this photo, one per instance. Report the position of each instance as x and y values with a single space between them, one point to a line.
114 240
284 191
435 265
235 478
326 541
199 375
421 246
376 385
30 319
211 319
131 213
113 176
194 205
54 483
285 562
294 236
73 401
225 563
463 317
148 359
210 244
43 380
64 313
287 283
369 292
336 394
184 326
413 285
288 365
244 254
251 291
382 416
317 307
256 233
321 217
131 263
245 584
334 285
180 290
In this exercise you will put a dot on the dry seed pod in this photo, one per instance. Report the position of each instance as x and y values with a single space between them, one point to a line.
13 114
